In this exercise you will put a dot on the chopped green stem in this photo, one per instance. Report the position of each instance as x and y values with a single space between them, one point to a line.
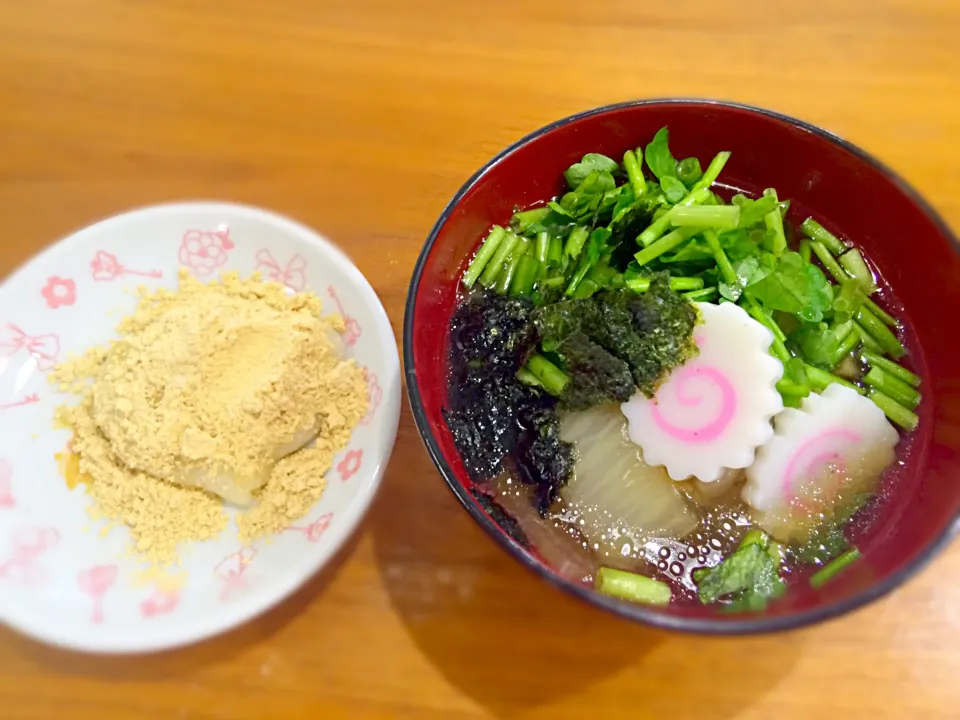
689 171
712 173
818 232
585 289
487 250
891 367
528 378
659 226
788 387
555 252
890 385
828 262
553 379
846 346
510 267
679 284
583 267
490 273
665 244
525 277
852 261
754 212
880 332
834 568
820 379
633 587
774 223
575 241
885 317
522 221
778 348
897 413
704 295
805 250
868 342
722 217
543 247
727 272
553 282
631 162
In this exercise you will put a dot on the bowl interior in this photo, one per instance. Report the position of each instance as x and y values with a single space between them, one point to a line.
71 581
851 195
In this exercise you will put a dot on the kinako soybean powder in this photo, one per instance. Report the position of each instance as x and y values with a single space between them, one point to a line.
230 390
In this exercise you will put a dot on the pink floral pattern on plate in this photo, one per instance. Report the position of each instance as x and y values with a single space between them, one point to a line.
106 267
231 570
26 400
160 602
6 485
353 331
29 544
375 395
96 582
293 274
350 464
203 252
59 292
42 348
314 531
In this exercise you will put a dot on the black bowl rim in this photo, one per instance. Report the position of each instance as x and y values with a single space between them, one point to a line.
640 613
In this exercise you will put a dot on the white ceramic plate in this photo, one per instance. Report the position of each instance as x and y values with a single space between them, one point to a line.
62 580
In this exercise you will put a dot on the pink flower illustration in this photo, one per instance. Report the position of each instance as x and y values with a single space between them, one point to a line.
43 348
59 292
27 400
350 464
106 267
160 602
353 331
28 545
203 252
293 275
96 582
314 531
6 485
375 395
231 570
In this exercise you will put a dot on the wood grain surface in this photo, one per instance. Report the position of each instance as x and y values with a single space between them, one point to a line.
362 119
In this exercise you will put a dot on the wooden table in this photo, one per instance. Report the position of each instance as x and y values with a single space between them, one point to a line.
362 119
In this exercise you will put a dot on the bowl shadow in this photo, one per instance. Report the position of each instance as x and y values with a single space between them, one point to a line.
513 643
183 661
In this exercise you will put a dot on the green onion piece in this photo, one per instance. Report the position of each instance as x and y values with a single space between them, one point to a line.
484 254
526 275
632 163
868 342
829 264
689 171
880 332
774 223
819 379
553 379
805 250
785 386
704 295
895 412
490 273
521 221
818 232
712 173
679 284
727 272
528 378
510 267
778 349
834 568
633 587
846 346
585 289
722 217
543 247
665 244
890 385
659 226
852 261
555 252
575 241
885 317
891 367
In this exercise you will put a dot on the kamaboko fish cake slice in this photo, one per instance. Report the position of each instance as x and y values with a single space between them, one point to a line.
714 411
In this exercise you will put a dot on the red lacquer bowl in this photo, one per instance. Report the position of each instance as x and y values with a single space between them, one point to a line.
849 192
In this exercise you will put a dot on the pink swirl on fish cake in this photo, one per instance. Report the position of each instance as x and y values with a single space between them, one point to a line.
680 383
823 458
